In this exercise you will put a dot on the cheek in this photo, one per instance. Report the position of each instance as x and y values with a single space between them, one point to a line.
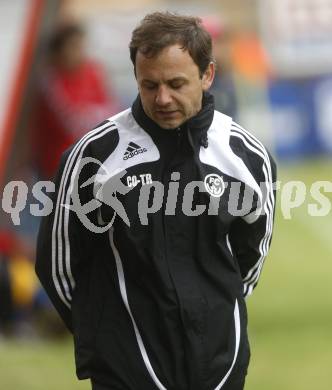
194 99
146 101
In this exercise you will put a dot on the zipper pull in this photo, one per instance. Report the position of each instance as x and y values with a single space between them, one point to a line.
178 132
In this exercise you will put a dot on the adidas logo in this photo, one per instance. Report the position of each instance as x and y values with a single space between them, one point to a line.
133 150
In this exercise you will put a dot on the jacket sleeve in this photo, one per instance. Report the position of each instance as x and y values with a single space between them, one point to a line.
64 243
250 236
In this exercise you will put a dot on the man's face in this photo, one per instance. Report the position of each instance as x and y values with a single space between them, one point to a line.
72 54
170 86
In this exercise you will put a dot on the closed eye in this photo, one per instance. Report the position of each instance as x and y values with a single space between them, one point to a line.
176 84
149 85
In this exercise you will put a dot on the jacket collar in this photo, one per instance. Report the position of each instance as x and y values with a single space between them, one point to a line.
196 126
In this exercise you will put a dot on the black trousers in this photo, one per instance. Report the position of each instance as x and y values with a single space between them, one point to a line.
238 384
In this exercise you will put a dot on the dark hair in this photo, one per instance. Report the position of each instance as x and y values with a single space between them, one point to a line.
159 30
62 35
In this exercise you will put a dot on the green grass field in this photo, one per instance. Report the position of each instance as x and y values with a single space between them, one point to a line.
290 313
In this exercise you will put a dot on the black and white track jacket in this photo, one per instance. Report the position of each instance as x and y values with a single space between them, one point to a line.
153 291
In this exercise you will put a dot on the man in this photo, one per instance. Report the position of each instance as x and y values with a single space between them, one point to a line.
72 96
162 220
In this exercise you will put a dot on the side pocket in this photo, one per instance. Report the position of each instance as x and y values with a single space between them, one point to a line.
87 310
244 352
229 245
237 339
230 249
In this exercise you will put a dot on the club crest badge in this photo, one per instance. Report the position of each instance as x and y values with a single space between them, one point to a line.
214 185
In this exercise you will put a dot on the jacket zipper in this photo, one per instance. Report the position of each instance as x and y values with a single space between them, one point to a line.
166 175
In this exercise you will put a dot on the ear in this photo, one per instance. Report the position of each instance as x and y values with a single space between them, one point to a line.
208 76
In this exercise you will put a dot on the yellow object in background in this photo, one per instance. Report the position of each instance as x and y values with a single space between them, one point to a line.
23 280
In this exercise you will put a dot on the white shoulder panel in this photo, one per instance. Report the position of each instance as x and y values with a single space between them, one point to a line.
129 131
220 155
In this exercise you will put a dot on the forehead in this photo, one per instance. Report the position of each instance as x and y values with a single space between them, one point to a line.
170 62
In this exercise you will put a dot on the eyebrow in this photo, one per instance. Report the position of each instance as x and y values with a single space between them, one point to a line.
179 78
169 82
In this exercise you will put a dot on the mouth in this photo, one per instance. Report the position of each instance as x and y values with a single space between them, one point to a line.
166 114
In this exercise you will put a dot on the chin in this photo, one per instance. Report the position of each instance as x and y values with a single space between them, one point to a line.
168 126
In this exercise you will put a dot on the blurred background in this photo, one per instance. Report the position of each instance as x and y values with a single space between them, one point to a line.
64 67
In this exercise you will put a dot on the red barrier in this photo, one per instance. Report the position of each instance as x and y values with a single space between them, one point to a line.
19 81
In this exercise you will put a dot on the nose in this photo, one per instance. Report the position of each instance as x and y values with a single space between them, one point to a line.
163 97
